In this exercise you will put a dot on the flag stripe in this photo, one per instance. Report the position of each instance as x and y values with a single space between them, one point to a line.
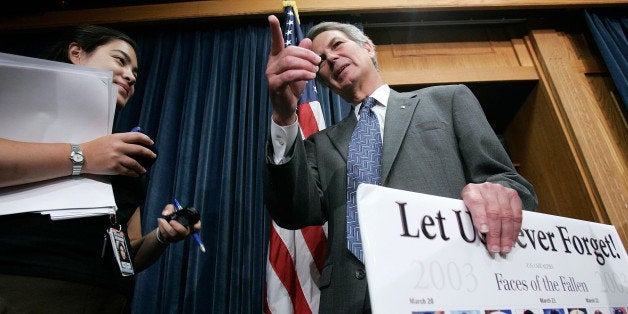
317 242
307 120
317 111
277 293
306 271
282 262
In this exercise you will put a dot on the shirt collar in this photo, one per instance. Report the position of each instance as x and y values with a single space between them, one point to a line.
381 94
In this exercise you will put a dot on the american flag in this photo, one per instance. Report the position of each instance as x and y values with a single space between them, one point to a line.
295 257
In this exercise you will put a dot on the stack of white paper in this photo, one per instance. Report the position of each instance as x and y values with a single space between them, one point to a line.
54 102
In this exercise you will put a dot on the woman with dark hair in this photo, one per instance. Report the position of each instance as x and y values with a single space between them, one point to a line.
69 266
89 38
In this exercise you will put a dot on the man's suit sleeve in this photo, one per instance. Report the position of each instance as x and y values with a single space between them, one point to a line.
291 191
484 157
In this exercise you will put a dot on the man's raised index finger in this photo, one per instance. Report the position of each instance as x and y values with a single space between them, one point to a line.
276 36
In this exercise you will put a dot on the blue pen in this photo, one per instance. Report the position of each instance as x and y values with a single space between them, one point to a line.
195 235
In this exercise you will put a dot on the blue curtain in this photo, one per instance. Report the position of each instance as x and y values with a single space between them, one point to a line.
202 96
609 31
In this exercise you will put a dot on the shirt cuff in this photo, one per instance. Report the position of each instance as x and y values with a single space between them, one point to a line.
283 138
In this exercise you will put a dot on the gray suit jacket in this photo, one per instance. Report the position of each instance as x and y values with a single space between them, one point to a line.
436 140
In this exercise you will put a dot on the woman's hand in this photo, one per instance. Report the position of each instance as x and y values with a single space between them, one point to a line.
173 231
116 154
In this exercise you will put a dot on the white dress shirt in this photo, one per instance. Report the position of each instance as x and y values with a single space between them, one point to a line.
283 137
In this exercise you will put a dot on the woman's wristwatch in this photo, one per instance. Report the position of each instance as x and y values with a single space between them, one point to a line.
77 158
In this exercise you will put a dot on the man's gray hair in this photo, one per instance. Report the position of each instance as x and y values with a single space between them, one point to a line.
354 33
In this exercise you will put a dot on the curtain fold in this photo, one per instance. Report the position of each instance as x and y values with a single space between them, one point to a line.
609 31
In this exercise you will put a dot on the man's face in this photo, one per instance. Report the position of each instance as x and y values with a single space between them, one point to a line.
347 65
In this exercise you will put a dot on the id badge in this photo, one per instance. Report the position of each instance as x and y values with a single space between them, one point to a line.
121 251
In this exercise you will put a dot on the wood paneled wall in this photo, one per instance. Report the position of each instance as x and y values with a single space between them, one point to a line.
592 123
441 54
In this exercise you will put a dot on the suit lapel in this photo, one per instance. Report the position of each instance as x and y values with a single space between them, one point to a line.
399 112
340 134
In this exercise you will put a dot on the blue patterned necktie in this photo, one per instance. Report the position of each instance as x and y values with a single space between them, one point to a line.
364 165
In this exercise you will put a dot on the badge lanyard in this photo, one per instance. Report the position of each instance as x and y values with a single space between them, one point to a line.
115 236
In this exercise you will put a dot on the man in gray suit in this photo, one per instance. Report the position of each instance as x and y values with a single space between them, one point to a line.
435 140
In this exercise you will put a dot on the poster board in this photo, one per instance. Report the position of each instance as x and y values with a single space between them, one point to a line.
423 255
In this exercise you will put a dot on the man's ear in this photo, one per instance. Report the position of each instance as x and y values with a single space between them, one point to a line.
370 49
74 53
